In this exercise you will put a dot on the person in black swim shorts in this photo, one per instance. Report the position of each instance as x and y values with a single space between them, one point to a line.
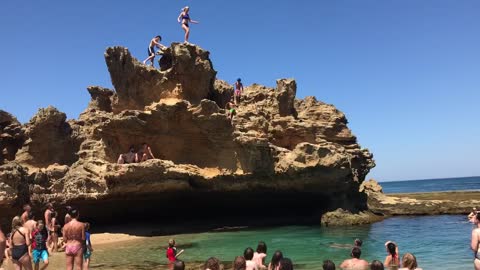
155 42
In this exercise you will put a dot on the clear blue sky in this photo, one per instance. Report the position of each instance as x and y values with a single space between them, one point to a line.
405 72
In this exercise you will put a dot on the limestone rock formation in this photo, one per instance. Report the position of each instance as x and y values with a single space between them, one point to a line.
391 205
138 86
11 136
297 156
48 140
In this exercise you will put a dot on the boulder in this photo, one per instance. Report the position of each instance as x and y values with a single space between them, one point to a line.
48 140
137 85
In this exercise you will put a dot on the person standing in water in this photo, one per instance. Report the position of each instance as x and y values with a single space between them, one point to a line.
184 19
392 259
74 235
155 42
474 245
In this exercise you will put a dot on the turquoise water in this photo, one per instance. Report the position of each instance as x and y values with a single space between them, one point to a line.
446 184
439 242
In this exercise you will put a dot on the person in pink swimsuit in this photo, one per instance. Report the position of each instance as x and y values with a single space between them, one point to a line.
74 235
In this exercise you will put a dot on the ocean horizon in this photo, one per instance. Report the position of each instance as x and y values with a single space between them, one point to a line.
471 183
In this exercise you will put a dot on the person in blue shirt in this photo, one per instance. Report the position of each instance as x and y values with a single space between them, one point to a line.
39 246
87 253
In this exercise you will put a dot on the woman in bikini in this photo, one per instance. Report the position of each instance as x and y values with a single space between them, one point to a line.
54 231
20 242
392 259
474 245
184 19
74 235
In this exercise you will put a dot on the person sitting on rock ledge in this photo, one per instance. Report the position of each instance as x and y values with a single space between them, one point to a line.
355 262
145 153
129 157
155 42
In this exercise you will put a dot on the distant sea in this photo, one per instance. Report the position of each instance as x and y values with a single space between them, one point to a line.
432 185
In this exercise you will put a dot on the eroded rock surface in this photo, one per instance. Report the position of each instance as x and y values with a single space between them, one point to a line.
293 155
381 203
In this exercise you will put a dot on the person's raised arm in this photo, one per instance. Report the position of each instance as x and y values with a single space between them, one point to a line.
474 243
387 261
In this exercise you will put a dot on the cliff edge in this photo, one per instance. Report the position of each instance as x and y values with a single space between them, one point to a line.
282 153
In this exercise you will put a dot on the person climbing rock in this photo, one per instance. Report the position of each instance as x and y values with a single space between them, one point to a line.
155 42
238 91
184 19
231 110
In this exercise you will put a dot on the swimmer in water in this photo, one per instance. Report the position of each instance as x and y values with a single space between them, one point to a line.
475 242
355 262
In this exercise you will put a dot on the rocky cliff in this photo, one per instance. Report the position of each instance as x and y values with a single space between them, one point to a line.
289 156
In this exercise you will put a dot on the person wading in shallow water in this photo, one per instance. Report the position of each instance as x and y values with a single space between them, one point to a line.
475 243
74 234
355 262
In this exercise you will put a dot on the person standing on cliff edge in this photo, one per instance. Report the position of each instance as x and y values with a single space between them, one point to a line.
155 42
184 19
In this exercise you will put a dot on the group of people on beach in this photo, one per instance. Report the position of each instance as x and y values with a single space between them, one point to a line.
256 260
34 241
